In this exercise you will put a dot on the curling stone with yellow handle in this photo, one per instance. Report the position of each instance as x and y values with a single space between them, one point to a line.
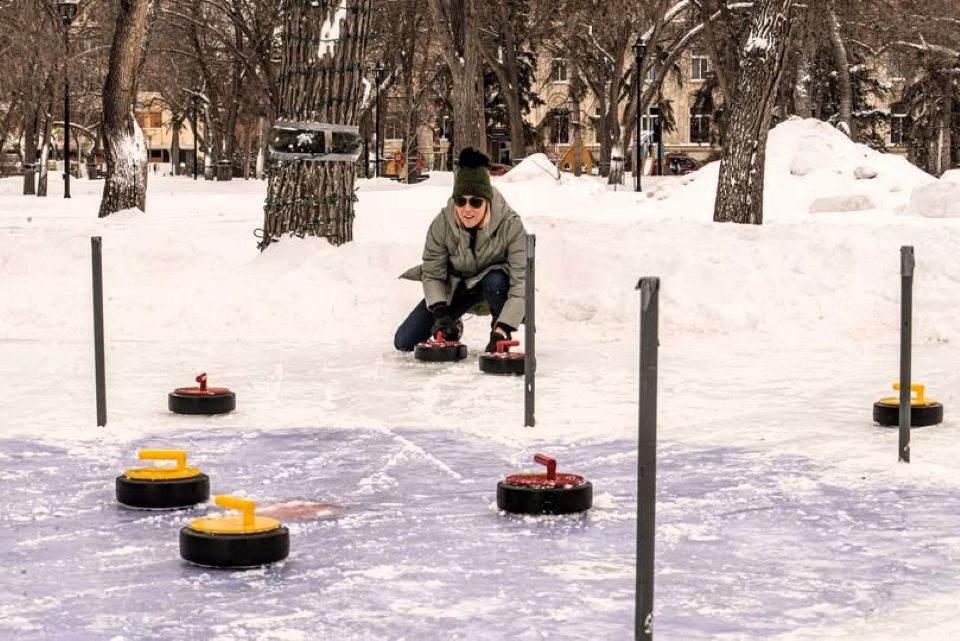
163 488
242 540
923 411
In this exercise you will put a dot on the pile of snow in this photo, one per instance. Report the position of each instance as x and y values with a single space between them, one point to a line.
535 168
938 199
811 167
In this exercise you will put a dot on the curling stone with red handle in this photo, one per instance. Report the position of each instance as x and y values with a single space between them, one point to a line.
544 493
503 361
202 400
923 411
162 488
234 541
439 350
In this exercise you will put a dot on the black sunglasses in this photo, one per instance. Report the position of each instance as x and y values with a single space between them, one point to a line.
475 201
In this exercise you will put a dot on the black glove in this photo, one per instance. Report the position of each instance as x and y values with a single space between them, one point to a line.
495 337
443 322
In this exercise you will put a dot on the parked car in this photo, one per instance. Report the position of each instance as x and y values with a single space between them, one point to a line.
680 164
496 169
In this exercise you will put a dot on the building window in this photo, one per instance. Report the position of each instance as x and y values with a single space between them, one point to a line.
648 122
392 130
699 66
898 130
150 119
558 70
699 127
560 127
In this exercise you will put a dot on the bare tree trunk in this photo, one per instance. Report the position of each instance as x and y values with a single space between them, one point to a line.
265 125
845 124
457 22
248 146
945 146
605 138
45 151
803 87
236 89
126 184
175 123
30 152
508 76
309 197
8 121
740 186
576 89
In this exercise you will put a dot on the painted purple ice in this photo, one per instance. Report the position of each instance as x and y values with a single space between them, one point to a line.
749 544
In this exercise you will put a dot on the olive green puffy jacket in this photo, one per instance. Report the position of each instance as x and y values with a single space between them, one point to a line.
448 259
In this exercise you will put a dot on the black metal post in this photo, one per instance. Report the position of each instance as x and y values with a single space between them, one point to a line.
366 157
647 458
66 112
906 313
96 244
195 148
640 48
530 334
378 76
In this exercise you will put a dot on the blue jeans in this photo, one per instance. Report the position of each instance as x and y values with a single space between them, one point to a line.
492 290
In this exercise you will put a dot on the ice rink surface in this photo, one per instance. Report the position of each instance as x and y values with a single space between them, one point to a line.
750 544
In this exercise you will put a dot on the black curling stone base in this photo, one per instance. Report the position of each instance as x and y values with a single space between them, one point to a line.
190 404
163 495
511 365
440 353
521 499
888 415
234 550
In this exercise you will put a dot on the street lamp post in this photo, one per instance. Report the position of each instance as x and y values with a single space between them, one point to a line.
68 11
639 49
378 71
659 131
195 149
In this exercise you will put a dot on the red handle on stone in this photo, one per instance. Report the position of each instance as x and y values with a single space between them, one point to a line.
503 345
438 337
202 379
551 464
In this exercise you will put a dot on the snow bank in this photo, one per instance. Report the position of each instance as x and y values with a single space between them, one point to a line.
536 168
939 199
811 166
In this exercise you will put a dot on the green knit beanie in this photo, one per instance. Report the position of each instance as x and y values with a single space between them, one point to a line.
473 176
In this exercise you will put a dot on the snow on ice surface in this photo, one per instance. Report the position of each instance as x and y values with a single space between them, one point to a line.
775 340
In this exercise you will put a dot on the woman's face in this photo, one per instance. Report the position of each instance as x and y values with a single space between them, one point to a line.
471 211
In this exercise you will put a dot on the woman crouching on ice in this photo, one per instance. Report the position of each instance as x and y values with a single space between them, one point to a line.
475 252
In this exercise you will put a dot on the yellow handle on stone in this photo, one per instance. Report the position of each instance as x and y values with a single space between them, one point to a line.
245 506
915 388
180 456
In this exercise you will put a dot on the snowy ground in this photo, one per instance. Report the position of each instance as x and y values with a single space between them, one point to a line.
775 341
